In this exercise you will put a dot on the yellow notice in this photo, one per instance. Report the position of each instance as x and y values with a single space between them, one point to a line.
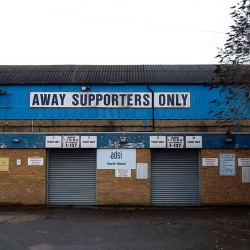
4 165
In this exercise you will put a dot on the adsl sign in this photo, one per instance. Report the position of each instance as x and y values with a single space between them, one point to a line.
109 100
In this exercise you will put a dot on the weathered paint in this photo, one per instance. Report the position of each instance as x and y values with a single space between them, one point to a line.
19 103
135 140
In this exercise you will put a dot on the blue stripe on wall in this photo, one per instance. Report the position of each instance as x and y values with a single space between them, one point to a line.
240 141
19 102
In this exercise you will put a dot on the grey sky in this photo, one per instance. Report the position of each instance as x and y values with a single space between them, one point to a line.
113 32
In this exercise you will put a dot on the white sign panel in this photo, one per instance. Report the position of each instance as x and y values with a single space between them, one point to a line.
193 141
35 161
71 141
172 100
90 100
227 164
157 141
244 162
245 175
88 141
210 162
109 100
53 142
142 171
123 173
116 158
175 141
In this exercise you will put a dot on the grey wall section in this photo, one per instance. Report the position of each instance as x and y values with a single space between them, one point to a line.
175 177
71 177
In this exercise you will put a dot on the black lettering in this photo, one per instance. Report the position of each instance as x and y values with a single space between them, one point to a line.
54 100
75 102
107 100
115 100
98 99
137 99
62 97
91 98
35 100
123 97
146 99
177 100
170 100
184 98
162 100
45 98
83 99
129 100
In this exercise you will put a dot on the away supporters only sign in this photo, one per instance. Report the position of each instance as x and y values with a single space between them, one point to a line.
109 100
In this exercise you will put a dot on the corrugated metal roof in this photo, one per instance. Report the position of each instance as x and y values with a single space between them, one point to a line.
106 74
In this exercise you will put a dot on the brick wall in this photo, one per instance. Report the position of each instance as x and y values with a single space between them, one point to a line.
124 190
23 184
223 190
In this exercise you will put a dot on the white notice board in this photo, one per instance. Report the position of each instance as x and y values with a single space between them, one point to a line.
175 142
142 171
71 141
157 141
244 162
193 141
54 141
116 158
245 175
210 162
35 161
227 164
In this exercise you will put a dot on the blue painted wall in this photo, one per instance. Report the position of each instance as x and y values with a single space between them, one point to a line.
140 140
19 103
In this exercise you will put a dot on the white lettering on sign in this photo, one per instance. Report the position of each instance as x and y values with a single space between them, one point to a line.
88 141
175 141
157 141
116 158
244 162
193 141
210 162
71 141
123 173
35 161
109 100
172 100
53 142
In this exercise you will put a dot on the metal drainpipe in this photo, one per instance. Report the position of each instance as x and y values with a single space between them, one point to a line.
153 107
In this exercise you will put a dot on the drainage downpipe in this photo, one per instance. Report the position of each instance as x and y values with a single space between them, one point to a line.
153 108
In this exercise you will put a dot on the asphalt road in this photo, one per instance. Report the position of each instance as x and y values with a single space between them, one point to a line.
90 228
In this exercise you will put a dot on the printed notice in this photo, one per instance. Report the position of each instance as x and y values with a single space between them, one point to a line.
193 141
244 162
123 173
227 164
175 141
35 161
157 141
4 165
88 141
210 162
53 141
71 141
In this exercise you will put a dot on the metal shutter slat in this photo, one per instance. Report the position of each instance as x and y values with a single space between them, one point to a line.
72 177
175 177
